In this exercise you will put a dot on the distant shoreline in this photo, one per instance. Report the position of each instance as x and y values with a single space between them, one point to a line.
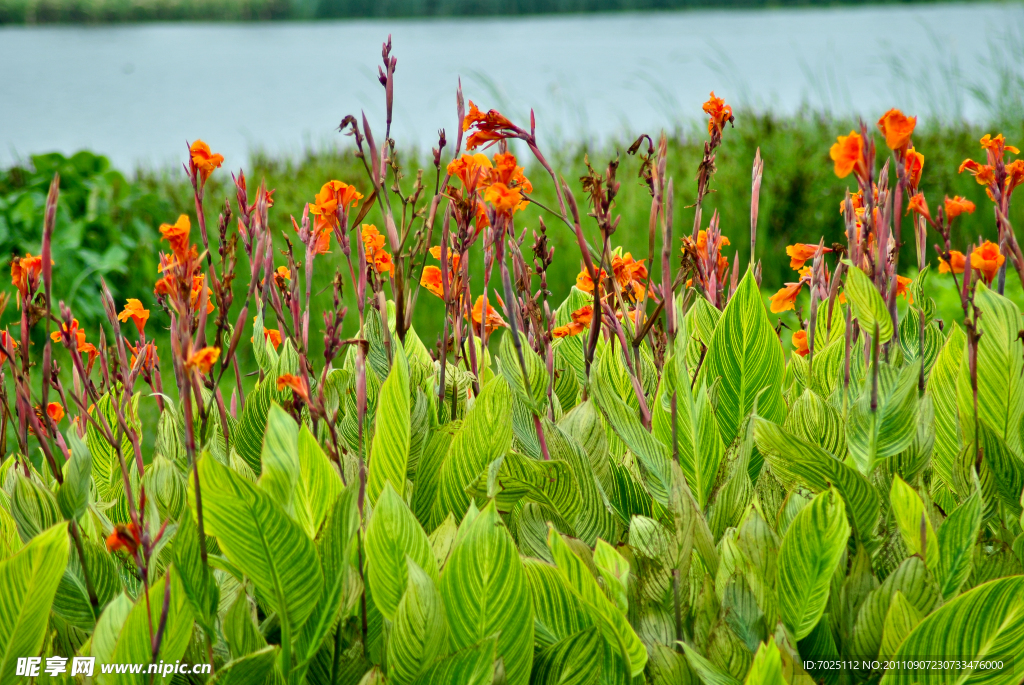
78 12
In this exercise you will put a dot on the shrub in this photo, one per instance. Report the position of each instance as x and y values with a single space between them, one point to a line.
631 484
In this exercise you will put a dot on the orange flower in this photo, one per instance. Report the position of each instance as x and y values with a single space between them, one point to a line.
334 196
800 343
164 286
127 538
281 275
984 174
431 280
134 310
470 169
382 262
997 145
204 359
271 335
914 166
958 260
506 170
957 206
55 335
494 319
55 411
1014 174
897 129
6 343
490 127
198 283
372 239
702 244
297 385
785 298
919 206
25 272
847 153
901 288
800 253
581 319
177 234
718 112
204 161
584 282
505 200
987 259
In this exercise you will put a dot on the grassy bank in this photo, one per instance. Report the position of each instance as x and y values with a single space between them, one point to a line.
107 221
111 11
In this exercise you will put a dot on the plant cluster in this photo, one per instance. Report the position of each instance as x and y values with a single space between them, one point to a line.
628 485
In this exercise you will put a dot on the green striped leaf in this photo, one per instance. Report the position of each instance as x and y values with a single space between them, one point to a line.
915 526
253 422
985 623
420 631
280 459
698 440
392 535
709 673
624 421
575 660
106 468
471 666
917 346
251 668
389 456
73 494
912 579
767 666
134 644
795 461
429 470
486 434
810 551
342 581
319 484
508 362
942 387
485 591
29 582
610 620
868 306
262 541
956 537
556 612
899 622
1000 371
33 506
746 355
891 427
72 599
814 420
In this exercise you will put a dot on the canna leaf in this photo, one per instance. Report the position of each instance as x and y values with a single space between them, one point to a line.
28 583
914 524
956 538
942 387
746 355
1000 368
810 551
985 623
389 455
251 528
420 631
485 591
392 535
867 304
889 428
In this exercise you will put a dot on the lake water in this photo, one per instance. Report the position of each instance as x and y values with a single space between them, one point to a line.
138 92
